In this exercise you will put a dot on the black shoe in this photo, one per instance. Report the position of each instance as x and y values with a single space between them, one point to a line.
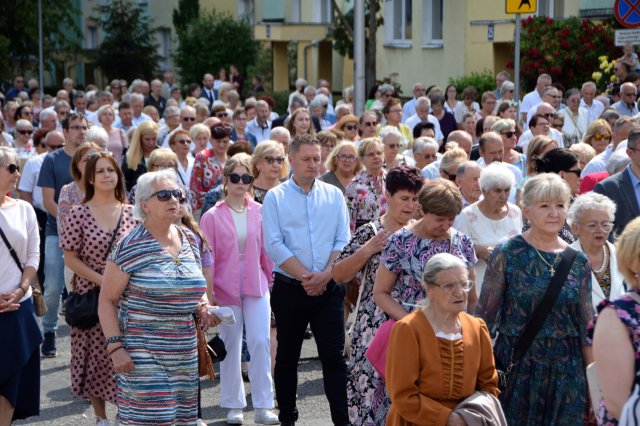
49 345
291 423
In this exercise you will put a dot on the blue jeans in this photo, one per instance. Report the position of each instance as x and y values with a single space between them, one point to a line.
54 282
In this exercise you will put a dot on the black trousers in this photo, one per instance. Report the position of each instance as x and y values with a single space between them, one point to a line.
294 310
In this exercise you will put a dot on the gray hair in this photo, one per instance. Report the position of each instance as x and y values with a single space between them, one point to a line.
503 124
48 113
424 142
297 99
496 175
423 101
136 97
347 92
98 135
438 263
61 104
506 86
315 103
387 131
301 82
590 201
618 161
310 89
280 131
339 109
171 110
324 99
386 87
146 187
8 156
262 103
233 94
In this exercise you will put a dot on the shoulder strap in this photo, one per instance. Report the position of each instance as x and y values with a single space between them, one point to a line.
115 232
546 304
13 253
364 276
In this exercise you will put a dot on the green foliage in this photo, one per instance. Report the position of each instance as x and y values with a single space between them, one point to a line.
567 50
343 41
187 11
482 81
129 48
19 39
215 40
262 67
281 99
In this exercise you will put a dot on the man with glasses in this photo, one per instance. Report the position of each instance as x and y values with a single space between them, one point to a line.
18 86
187 119
409 108
54 174
626 106
549 113
260 127
549 95
624 187
534 97
422 106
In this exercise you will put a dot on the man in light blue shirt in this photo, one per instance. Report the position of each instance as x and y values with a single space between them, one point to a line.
306 224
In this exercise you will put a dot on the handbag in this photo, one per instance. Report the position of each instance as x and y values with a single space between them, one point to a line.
81 310
205 365
539 316
377 351
217 350
36 292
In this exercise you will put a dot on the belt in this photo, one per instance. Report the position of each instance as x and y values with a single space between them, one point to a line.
285 279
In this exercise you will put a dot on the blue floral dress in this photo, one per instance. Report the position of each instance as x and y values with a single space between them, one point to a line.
548 386
628 310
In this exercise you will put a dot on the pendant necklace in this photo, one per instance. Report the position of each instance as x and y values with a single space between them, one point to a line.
550 265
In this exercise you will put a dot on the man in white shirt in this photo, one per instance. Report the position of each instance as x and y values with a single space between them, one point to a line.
421 115
588 101
626 106
549 95
137 104
409 108
534 97
260 127
548 112
492 151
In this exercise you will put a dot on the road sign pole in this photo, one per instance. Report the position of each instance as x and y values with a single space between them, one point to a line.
516 65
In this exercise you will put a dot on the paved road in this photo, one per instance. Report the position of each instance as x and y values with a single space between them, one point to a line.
59 408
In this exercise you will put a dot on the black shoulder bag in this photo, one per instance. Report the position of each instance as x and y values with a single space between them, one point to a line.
539 315
81 310
36 291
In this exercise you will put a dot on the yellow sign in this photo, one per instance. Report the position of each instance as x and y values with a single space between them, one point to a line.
521 6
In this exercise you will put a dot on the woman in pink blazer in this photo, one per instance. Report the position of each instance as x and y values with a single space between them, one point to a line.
241 278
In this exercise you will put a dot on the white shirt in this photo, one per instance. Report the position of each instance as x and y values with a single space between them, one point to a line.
414 119
575 126
517 174
432 171
595 110
137 120
598 163
184 176
527 136
29 179
461 109
529 100
260 133
408 109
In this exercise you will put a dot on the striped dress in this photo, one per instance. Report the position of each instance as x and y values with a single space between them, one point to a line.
157 322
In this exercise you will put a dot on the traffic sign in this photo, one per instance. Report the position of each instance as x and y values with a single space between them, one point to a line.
628 12
522 6
627 36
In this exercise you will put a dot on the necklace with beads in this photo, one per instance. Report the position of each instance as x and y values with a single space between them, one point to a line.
550 265
605 261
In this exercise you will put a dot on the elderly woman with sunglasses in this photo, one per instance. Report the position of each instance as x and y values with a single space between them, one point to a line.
506 128
342 165
151 288
598 135
241 278
591 218
207 168
392 141
90 230
19 330
22 139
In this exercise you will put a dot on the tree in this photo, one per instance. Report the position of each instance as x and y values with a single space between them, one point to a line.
187 11
129 48
343 36
214 40
19 39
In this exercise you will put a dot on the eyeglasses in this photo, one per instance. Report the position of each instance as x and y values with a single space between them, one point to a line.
83 128
628 94
600 136
13 168
370 123
346 157
183 141
350 127
397 111
593 226
272 160
27 112
236 178
509 134
393 145
54 147
166 194
576 172
448 288
221 115
451 177
549 115
188 119
95 154
25 131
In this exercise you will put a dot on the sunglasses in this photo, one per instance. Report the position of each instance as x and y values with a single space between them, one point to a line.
95 154
575 172
236 178
549 115
188 119
451 177
272 160
183 141
600 136
166 194
25 132
350 127
13 168
509 134
370 123
53 147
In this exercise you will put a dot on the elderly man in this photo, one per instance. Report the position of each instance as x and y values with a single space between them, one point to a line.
492 151
187 119
260 127
137 104
62 108
621 131
80 102
551 96
48 119
303 248
155 97
589 102
18 86
425 151
468 180
422 107
463 140
207 89
549 112
300 84
409 108
501 77
167 85
626 106
534 97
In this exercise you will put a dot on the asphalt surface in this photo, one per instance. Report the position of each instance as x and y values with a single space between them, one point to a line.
58 407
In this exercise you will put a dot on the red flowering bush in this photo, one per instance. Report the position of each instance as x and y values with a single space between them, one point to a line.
567 50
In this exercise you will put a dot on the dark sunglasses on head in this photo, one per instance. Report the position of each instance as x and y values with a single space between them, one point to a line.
509 134
236 178
166 194
350 127
95 154
13 168
272 160
25 131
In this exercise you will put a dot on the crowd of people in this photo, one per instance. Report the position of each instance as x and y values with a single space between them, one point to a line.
438 231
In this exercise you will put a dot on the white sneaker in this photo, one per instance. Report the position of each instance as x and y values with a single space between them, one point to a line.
264 416
102 422
200 422
235 417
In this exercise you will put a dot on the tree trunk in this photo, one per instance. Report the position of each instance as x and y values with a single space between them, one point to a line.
370 57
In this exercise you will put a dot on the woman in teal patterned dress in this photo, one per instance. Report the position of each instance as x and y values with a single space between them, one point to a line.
153 276
548 385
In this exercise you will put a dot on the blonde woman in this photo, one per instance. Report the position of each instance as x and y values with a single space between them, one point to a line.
269 167
342 164
200 136
143 142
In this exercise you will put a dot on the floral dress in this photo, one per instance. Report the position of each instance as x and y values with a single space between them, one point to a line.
70 195
548 385
628 310
91 367
365 199
405 255
206 175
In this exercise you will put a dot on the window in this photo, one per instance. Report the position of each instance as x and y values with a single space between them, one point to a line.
398 22
432 23
245 10
322 11
92 37
551 8
164 47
